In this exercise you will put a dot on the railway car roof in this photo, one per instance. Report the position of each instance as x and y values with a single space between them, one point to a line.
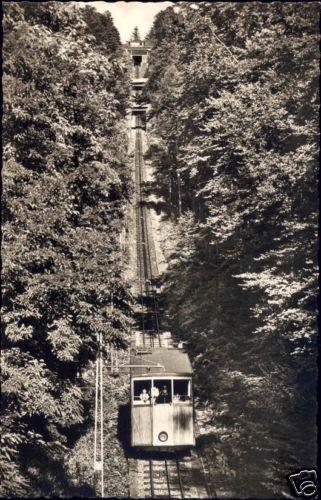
174 361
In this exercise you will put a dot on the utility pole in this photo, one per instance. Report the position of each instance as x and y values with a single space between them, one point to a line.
179 194
99 418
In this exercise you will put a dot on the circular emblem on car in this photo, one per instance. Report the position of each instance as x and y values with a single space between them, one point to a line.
163 436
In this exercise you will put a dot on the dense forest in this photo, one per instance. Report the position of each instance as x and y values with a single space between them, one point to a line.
65 185
234 101
233 134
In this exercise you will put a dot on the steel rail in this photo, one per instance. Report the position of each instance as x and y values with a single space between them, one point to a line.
152 490
138 227
147 248
167 479
148 255
179 477
149 270
150 273
140 276
144 254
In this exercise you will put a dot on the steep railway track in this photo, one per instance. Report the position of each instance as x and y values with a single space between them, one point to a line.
157 475
169 475
147 265
164 478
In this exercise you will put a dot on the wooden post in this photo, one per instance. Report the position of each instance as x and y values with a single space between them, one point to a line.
179 194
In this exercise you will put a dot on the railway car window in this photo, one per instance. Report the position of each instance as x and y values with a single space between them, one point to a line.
142 391
162 392
181 390
137 60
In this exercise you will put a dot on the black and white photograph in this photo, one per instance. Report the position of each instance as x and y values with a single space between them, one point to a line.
160 169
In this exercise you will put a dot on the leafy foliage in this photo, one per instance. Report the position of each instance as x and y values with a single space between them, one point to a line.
66 183
234 97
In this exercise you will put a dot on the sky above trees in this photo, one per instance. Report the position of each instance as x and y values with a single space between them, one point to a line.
127 15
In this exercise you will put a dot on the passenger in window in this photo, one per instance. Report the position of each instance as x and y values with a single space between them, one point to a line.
144 396
176 397
154 393
164 396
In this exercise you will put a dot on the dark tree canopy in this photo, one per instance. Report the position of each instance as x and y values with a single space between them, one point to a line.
101 26
66 182
136 36
233 89
234 101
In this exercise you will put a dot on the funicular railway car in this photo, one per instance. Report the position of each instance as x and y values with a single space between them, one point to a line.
140 118
161 400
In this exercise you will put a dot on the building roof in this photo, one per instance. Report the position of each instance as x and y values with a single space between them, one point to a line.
172 361
137 49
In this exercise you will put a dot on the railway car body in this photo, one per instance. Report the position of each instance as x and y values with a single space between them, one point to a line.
162 412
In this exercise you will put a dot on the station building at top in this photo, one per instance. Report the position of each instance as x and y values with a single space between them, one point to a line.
138 51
